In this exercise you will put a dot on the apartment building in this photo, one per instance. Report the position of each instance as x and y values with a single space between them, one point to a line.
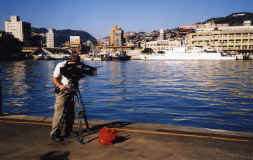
116 36
20 30
232 38
162 35
161 45
50 38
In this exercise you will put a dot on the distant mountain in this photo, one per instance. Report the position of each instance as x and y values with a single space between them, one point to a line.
234 19
39 30
62 36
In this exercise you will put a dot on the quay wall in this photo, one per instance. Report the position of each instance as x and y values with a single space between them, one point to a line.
46 121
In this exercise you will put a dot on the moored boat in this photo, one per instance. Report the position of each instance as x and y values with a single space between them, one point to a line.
105 57
119 56
182 53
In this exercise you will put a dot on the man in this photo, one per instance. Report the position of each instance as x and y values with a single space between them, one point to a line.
66 77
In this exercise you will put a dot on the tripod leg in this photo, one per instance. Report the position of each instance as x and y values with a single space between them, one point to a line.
85 119
81 116
80 130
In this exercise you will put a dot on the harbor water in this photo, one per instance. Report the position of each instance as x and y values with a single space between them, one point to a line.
205 94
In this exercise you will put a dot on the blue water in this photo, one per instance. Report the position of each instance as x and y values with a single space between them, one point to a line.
206 94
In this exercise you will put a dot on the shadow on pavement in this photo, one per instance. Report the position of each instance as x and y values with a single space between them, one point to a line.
55 155
96 128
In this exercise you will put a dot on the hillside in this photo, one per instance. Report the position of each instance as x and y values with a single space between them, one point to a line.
234 19
62 36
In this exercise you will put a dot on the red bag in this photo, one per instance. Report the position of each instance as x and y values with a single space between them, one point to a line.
107 135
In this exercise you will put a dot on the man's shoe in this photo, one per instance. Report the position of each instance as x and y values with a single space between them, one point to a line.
57 138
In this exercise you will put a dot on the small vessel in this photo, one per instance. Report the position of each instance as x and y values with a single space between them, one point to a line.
62 56
41 56
120 56
196 53
105 57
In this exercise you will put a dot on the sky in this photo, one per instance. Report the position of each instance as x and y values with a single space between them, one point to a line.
98 16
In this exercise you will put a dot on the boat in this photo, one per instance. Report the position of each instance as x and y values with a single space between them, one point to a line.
86 57
195 53
118 56
105 57
41 56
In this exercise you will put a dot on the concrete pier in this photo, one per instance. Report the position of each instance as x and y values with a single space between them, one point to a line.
24 137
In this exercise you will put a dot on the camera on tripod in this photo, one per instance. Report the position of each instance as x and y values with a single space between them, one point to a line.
74 72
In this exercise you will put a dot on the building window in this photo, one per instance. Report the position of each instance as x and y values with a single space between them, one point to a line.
245 34
244 47
238 34
238 41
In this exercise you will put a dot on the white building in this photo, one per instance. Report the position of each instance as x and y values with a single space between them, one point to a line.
20 30
50 38
162 35
161 45
246 26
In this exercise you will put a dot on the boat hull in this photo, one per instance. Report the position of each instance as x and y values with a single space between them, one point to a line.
121 58
106 58
189 56
115 58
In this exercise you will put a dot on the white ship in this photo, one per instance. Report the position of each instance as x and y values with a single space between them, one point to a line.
182 53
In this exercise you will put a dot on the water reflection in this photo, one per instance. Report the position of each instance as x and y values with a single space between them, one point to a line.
25 85
16 81
210 94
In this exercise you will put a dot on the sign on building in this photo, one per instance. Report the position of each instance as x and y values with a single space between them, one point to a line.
75 40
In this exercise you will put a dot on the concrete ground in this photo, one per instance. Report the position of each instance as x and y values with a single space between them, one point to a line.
25 138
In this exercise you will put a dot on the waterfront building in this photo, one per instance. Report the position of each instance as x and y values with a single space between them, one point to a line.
129 38
161 45
20 30
50 38
129 34
203 26
103 41
229 38
247 23
116 36
162 35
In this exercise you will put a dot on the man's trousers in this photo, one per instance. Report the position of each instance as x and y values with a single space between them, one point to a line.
64 112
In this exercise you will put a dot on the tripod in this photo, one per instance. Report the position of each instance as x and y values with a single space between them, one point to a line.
81 117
